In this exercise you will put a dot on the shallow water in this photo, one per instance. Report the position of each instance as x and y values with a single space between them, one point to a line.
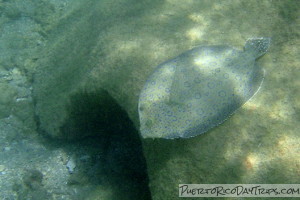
57 57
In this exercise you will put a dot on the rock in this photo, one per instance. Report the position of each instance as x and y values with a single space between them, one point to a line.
107 50
71 165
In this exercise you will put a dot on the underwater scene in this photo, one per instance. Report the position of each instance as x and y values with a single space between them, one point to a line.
127 99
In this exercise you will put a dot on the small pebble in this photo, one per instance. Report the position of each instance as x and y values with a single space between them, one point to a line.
71 165
2 168
6 148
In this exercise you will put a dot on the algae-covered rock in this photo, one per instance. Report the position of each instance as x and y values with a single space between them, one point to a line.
78 59
115 46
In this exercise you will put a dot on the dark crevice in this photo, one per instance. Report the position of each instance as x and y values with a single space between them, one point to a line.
98 127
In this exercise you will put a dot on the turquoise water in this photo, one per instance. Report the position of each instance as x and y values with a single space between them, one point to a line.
71 73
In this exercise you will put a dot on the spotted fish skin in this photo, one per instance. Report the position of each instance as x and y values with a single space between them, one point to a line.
199 89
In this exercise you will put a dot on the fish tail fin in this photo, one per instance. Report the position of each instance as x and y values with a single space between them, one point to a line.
259 46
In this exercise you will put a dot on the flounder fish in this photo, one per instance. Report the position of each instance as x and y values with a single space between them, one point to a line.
199 89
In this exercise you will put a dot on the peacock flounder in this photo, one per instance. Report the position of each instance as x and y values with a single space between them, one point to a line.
199 89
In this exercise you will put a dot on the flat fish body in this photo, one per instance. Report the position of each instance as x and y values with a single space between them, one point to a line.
199 89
